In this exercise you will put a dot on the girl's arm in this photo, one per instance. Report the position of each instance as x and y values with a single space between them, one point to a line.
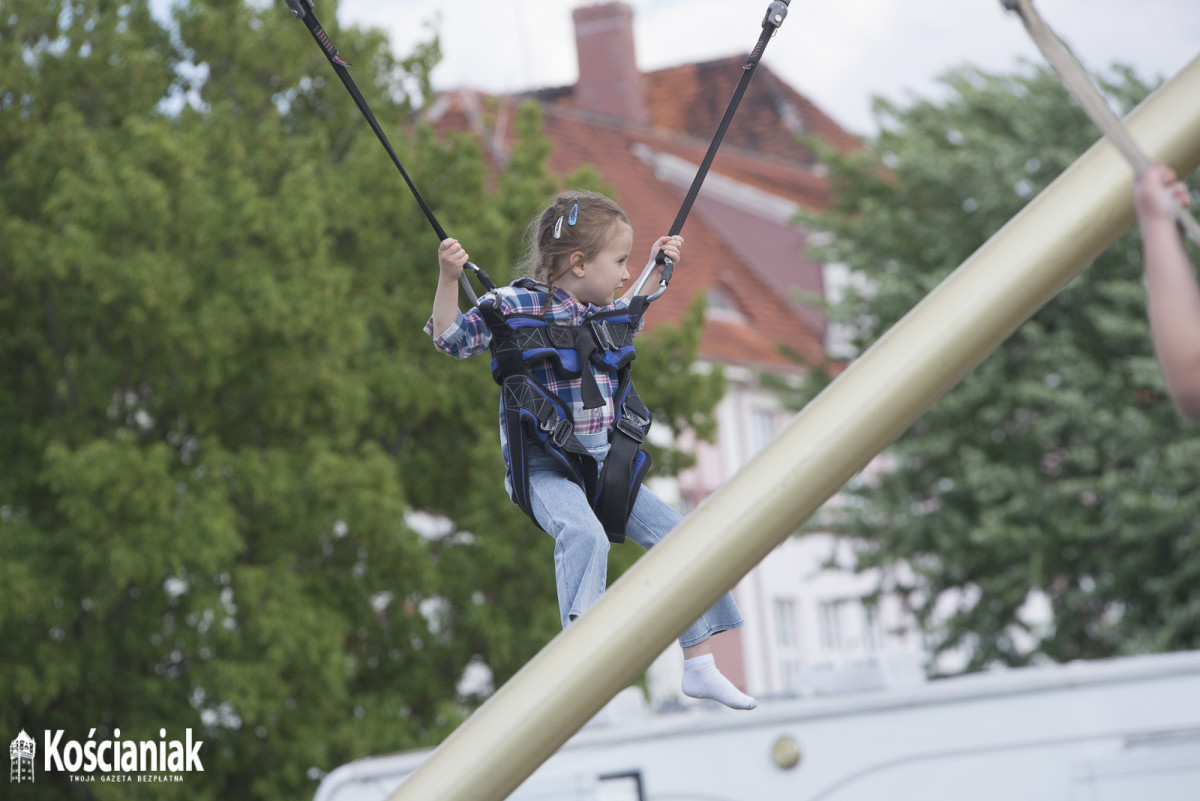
451 258
459 335
1172 295
672 246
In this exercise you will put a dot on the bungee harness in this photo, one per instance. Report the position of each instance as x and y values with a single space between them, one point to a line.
532 415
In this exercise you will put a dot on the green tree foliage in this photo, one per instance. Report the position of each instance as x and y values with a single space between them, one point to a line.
1058 468
219 410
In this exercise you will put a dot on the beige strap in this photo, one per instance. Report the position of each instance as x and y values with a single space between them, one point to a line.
1080 85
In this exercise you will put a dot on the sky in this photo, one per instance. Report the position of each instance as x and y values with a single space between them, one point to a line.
839 53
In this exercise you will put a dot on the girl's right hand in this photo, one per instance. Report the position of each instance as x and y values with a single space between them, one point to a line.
451 258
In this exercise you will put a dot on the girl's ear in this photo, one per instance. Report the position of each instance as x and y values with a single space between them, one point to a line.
577 263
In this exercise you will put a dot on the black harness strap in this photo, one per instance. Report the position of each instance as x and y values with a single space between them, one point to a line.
303 10
597 336
626 465
775 15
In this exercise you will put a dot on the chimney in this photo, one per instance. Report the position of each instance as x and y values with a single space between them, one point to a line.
609 81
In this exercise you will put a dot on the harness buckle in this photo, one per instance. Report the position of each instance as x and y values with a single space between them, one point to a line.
559 429
632 425
604 337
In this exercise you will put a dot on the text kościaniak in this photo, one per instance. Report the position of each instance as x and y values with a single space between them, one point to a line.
117 755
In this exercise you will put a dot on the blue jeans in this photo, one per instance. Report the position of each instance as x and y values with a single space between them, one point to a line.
581 546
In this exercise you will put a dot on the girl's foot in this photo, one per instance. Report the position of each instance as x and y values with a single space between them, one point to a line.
701 679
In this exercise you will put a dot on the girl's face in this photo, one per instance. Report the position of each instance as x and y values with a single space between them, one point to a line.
598 280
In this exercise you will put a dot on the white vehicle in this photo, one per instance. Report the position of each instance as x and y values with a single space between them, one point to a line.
1113 730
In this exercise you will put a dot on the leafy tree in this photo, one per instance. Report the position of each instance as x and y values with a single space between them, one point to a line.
1057 469
220 411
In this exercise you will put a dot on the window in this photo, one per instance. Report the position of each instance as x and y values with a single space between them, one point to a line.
719 304
762 427
785 623
830 624
787 645
870 628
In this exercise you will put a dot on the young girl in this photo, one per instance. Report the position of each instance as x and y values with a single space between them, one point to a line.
579 259
1172 296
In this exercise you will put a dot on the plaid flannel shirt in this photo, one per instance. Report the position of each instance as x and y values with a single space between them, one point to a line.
469 336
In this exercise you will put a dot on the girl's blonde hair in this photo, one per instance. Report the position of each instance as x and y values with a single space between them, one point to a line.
574 221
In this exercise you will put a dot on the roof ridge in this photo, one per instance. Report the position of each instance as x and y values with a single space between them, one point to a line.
673 137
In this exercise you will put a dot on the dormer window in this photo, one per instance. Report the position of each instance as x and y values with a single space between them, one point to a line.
722 306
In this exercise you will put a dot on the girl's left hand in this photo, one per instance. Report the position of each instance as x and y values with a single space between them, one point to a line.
672 246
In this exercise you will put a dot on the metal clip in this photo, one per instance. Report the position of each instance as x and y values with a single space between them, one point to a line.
632 425
559 429
300 7
776 13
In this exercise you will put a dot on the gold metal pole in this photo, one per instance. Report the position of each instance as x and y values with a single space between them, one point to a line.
1011 276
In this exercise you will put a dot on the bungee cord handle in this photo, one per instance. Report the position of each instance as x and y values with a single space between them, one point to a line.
1081 86
303 10
668 268
775 15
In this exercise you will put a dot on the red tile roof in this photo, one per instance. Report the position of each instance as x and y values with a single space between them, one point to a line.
688 101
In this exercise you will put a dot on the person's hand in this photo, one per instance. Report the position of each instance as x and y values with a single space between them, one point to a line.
672 246
451 258
1158 193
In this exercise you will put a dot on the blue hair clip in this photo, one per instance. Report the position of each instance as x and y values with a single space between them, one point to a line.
574 215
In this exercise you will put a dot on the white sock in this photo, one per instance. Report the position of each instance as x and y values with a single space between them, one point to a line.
701 679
